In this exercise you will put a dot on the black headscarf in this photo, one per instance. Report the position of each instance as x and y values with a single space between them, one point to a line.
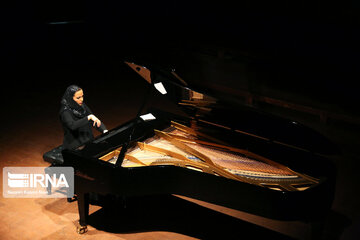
68 103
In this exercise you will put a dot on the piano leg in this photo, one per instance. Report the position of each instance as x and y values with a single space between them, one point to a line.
83 207
317 229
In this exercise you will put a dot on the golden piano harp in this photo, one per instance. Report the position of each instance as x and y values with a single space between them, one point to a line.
182 146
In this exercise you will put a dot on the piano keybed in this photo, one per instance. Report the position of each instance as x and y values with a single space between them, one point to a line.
183 147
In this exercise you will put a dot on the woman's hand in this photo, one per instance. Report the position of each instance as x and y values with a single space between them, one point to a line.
95 120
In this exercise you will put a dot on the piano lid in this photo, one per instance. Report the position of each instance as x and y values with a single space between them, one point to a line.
210 108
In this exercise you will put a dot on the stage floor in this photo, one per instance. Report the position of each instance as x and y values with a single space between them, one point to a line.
26 136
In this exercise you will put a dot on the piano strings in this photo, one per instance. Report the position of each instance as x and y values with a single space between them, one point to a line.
185 147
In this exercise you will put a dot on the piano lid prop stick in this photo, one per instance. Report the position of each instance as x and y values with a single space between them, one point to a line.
125 146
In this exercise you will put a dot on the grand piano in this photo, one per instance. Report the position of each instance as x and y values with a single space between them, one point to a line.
216 151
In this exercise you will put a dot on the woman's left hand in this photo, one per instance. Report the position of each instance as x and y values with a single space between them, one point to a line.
98 123
95 120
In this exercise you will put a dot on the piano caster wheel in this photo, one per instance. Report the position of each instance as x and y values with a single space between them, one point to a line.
81 229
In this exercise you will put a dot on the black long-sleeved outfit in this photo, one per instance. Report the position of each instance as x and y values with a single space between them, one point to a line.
77 131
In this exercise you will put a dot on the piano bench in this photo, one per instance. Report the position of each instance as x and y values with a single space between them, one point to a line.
54 156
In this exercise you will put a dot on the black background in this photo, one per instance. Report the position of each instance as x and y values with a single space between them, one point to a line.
307 47
305 51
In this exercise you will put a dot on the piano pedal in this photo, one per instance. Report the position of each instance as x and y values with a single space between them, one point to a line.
81 229
72 199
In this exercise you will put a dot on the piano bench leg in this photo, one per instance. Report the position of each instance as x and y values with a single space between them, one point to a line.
83 207
48 187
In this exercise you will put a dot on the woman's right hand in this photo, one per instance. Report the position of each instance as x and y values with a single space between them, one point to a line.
95 120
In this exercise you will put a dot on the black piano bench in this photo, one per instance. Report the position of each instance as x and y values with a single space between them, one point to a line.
55 158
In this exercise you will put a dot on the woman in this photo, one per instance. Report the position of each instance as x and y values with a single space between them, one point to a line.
77 119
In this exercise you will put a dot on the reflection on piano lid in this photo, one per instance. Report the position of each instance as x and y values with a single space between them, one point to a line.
205 102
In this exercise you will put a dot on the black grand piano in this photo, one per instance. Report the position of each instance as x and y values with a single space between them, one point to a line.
217 151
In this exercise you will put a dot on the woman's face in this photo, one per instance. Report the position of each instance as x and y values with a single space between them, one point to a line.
79 97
